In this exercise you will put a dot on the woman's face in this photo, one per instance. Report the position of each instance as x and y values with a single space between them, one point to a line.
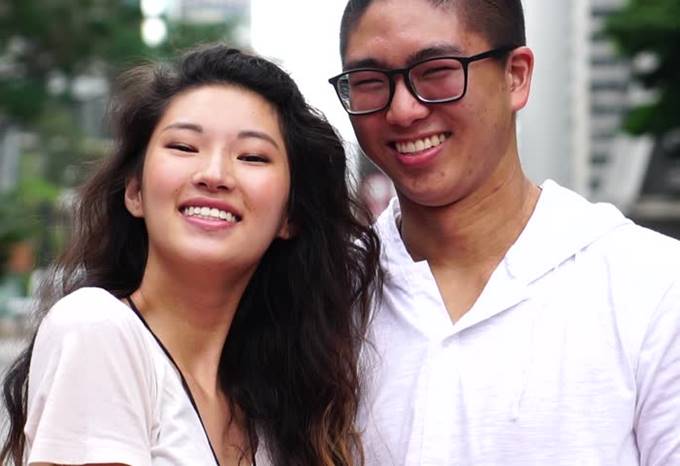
214 190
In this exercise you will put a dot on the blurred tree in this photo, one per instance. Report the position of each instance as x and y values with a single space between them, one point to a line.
52 53
23 216
652 27
46 45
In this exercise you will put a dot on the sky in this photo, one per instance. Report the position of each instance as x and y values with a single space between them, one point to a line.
302 37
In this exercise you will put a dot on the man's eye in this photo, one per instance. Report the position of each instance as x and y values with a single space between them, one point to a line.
441 69
437 69
368 82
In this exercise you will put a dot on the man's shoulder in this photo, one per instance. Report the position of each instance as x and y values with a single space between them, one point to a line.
648 241
647 253
601 227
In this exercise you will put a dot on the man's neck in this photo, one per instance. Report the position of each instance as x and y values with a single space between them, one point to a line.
476 230
464 242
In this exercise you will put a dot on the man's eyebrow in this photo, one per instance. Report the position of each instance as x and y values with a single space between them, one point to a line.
423 54
364 63
188 126
259 135
434 52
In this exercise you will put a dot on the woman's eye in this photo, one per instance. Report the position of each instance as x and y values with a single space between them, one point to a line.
181 147
253 158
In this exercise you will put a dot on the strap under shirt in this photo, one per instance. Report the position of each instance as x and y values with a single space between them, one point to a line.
185 385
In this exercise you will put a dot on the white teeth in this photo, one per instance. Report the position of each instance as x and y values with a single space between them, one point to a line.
209 213
420 144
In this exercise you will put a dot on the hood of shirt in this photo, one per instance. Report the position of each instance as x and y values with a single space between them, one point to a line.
562 224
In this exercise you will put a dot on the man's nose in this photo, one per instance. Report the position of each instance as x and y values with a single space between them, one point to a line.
404 108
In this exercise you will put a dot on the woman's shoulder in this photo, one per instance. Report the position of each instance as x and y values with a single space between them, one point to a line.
91 330
89 308
92 374
92 313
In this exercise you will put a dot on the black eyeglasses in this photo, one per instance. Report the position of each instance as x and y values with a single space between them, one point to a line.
432 81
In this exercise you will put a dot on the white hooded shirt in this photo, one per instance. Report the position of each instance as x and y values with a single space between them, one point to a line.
570 355
101 390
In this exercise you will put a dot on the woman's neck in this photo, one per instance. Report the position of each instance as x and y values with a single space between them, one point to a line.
191 314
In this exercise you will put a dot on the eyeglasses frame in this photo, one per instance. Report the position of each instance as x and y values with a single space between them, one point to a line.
405 73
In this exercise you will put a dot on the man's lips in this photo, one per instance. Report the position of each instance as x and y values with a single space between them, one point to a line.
420 144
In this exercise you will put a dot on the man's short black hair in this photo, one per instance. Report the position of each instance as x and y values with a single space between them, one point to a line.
501 22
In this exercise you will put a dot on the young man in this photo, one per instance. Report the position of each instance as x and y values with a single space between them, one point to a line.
520 325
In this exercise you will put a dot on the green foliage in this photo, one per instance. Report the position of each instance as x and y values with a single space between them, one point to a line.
22 213
41 39
652 26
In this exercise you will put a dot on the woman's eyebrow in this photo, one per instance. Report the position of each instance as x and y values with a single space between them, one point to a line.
181 125
251 133
259 135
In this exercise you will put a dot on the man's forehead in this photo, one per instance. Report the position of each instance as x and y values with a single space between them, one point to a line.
377 60
396 33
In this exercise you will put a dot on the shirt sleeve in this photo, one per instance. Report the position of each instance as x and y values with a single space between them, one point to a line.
90 390
657 421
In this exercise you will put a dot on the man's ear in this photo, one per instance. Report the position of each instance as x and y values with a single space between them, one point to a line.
133 197
520 67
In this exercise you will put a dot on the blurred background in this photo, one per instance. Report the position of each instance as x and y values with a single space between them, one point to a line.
603 118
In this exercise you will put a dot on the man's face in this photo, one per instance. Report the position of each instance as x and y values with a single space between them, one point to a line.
467 139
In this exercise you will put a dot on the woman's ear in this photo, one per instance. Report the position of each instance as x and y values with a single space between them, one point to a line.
133 197
287 230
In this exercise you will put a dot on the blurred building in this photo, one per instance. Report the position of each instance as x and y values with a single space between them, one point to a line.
10 140
580 92
209 11
570 130
658 205
609 93
213 12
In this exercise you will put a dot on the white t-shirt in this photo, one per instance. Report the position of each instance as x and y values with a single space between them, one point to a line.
570 355
101 390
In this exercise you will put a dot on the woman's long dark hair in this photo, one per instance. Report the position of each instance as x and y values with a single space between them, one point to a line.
290 363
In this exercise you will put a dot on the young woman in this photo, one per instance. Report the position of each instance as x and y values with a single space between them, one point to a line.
210 307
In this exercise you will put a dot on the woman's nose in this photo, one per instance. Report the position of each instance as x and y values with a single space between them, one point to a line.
215 173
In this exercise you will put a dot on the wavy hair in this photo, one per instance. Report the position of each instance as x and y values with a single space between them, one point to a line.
290 363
